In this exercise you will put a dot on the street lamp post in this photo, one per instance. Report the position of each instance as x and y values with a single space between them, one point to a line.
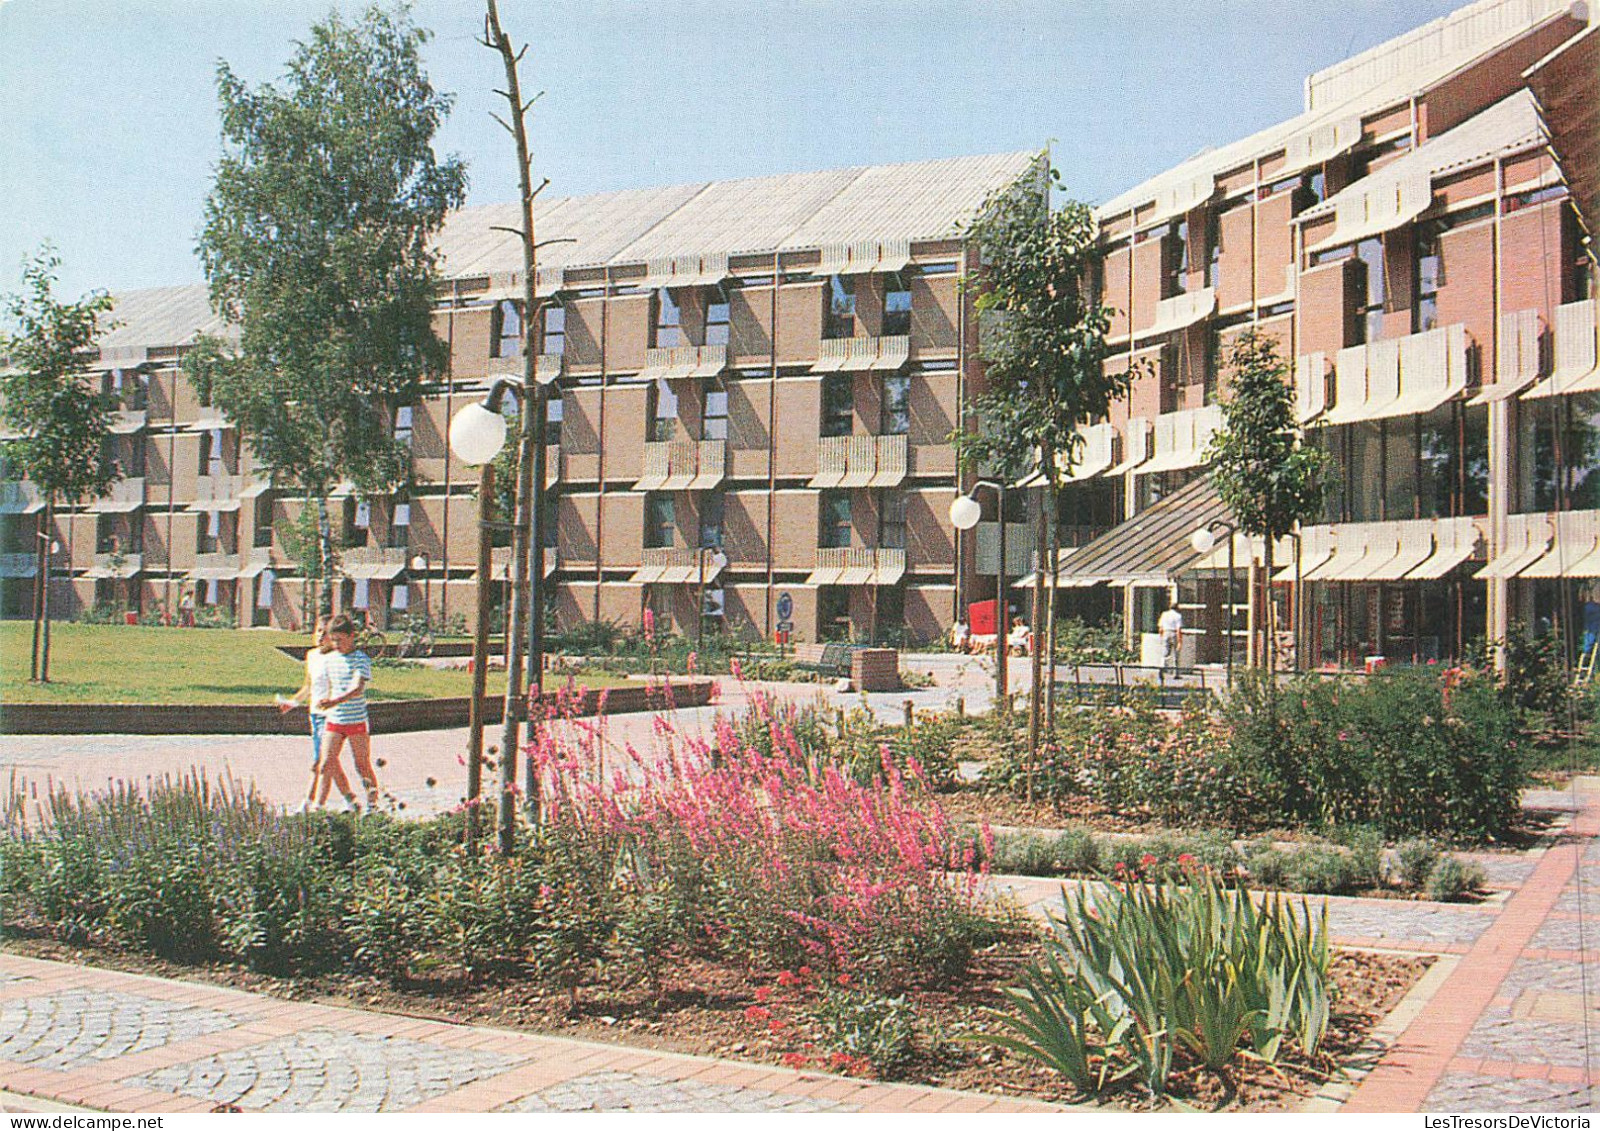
964 515
718 562
1204 541
419 564
477 433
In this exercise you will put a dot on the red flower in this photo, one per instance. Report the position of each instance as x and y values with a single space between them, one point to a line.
774 1025
785 978
805 971
795 1060
757 1013
845 979
1147 860
1186 861
763 993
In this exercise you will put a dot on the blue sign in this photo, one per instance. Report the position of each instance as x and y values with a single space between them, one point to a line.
785 606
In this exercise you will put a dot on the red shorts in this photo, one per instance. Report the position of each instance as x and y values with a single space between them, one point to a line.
346 729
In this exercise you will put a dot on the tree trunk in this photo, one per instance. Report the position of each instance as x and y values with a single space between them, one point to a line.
324 558
44 652
1037 642
41 578
1269 613
1054 598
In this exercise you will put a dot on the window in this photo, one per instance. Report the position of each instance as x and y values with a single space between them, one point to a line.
1319 187
749 281
400 527
1176 279
1518 201
1213 248
716 317
555 329
896 306
711 506
660 524
892 529
209 540
1213 364
211 452
211 593
833 613
554 411
505 329
106 539
264 585
714 421
840 320
1430 277
361 594
549 532
399 596
663 412
665 332
1370 252
948 268
896 405
834 509
402 425
263 532
713 606
1364 162
838 405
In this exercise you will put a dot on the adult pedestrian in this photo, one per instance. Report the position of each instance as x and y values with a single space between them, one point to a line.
1171 628
349 673
313 689
186 608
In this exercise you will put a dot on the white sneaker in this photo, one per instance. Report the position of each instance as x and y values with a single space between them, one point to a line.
351 805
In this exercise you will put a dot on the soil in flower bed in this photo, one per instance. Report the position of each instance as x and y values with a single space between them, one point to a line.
716 1009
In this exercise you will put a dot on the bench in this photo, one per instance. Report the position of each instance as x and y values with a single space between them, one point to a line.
832 660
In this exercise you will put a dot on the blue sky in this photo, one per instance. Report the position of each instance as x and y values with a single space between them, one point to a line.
108 125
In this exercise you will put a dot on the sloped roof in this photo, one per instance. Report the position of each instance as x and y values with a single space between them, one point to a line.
1569 103
1153 546
1389 73
915 201
158 317
1510 125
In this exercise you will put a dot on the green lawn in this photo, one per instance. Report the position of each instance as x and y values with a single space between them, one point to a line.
121 664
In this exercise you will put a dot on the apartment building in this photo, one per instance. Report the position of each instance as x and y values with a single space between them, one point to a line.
755 385
1417 242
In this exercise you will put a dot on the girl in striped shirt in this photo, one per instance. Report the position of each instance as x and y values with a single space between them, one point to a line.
349 672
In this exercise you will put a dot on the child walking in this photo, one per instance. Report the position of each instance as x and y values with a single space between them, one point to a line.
349 672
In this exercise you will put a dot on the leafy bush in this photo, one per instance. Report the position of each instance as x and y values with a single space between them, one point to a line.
1453 879
1139 977
1414 861
862 1024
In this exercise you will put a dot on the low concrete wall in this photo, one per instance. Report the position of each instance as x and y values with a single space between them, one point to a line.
388 716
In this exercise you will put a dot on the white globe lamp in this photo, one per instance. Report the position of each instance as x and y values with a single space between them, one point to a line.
1203 540
965 512
477 434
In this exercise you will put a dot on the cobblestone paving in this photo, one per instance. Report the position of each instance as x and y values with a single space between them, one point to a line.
634 1091
1500 1036
1405 920
327 1070
1575 900
1501 870
1559 799
74 1028
1569 934
1465 1091
1544 975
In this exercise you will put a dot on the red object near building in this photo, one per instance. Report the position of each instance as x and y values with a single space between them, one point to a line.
981 617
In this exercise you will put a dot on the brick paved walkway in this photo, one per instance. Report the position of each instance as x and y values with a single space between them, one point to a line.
1515 1025
122 1042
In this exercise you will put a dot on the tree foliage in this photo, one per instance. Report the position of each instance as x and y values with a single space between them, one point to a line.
1267 475
316 245
62 423
1043 335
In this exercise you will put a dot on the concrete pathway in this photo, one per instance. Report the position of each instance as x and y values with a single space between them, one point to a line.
121 1042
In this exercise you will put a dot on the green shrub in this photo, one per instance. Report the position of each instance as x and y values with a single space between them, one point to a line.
1137 978
869 1026
1414 861
1452 880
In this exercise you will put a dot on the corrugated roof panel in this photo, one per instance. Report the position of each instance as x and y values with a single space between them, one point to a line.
920 200
161 316
730 217
1358 102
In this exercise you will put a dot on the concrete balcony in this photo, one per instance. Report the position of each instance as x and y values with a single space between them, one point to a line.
115 566
549 366
679 565
846 355
125 495
1019 548
216 566
500 561
683 465
14 567
677 363
858 565
861 461
217 493
20 498
128 420
374 563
